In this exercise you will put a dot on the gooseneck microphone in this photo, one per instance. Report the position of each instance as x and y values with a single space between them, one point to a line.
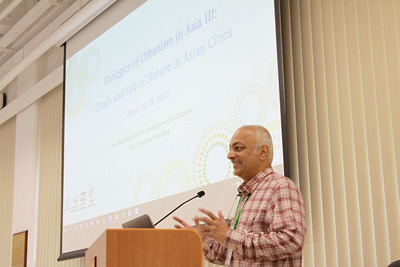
199 195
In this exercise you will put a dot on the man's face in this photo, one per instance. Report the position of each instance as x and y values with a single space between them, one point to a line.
246 162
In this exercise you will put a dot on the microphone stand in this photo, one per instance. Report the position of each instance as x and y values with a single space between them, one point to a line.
200 194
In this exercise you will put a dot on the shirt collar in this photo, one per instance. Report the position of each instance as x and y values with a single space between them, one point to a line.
248 188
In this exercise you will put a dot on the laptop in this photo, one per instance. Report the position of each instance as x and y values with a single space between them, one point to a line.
143 221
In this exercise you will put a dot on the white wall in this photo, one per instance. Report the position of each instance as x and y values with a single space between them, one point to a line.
26 178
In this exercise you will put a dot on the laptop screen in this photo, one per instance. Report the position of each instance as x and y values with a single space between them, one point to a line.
143 221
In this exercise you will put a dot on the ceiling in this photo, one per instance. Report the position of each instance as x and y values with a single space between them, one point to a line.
28 29
22 20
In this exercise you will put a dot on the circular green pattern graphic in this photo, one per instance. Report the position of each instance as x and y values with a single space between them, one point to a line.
82 69
251 105
75 64
75 93
144 189
273 100
210 163
175 178
92 63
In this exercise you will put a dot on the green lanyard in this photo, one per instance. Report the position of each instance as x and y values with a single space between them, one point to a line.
240 212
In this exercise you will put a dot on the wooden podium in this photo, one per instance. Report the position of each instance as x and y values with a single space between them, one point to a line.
146 247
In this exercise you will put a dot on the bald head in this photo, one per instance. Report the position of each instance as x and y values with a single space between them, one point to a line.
250 151
262 137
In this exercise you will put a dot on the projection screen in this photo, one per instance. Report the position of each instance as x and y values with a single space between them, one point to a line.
153 93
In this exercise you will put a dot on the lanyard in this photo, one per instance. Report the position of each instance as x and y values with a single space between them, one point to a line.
237 216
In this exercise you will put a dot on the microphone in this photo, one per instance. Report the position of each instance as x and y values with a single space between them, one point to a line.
199 195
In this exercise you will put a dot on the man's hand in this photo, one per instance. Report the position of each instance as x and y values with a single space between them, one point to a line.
215 227
185 225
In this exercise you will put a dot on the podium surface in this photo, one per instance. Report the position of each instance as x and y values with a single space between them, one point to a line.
146 247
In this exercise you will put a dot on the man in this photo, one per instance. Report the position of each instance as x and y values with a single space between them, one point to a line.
269 224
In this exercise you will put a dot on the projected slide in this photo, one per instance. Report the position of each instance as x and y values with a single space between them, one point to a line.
151 104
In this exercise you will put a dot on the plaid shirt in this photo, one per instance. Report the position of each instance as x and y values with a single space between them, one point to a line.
271 227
